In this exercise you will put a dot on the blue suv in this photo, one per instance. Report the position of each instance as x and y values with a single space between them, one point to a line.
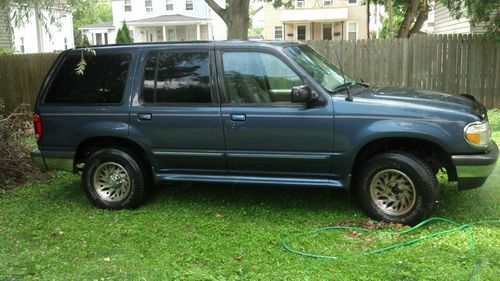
253 112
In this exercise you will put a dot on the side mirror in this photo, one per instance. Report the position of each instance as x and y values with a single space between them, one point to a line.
303 94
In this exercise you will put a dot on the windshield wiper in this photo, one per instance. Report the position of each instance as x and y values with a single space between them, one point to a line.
342 87
363 83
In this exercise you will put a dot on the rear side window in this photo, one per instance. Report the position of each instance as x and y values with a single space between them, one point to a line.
103 80
180 77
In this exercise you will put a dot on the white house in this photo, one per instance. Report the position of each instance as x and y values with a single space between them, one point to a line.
38 34
160 20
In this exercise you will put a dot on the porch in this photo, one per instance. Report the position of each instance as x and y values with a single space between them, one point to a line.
170 28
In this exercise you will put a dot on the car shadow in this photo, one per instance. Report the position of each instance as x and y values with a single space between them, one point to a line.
244 195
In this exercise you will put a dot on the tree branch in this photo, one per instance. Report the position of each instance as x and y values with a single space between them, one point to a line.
411 10
218 9
422 17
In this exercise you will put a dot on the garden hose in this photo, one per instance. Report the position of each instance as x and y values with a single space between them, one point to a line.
457 226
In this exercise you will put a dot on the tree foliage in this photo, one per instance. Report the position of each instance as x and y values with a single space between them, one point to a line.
478 11
409 15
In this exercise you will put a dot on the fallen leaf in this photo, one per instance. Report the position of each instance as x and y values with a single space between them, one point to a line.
368 239
238 258
354 233
369 224
107 259
219 215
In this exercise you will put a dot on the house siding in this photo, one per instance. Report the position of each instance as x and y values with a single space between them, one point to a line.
5 32
355 14
446 24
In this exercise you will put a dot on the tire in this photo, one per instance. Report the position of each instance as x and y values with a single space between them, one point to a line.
397 187
113 179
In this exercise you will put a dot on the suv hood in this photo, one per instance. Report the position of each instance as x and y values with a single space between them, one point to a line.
423 98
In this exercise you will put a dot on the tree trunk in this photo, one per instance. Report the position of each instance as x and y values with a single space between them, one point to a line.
368 21
404 29
390 23
235 15
422 17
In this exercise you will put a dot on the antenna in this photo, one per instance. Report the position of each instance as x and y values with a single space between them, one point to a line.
349 97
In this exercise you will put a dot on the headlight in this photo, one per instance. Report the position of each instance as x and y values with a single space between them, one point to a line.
478 133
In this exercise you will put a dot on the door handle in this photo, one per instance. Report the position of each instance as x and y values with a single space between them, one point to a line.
238 117
144 116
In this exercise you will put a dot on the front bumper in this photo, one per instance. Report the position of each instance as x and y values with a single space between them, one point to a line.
473 170
53 160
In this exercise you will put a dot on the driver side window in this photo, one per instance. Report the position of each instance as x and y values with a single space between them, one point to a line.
258 78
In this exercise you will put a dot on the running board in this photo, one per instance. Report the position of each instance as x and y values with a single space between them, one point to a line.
249 180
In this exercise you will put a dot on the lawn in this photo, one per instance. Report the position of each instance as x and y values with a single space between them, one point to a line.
49 231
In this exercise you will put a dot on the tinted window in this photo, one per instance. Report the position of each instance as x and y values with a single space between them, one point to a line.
253 77
103 80
180 78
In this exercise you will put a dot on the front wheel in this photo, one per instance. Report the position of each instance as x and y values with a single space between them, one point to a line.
112 179
397 187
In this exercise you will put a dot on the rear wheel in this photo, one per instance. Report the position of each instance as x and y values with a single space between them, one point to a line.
113 179
397 187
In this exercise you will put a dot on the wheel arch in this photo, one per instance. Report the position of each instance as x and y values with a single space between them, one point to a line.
87 146
431 152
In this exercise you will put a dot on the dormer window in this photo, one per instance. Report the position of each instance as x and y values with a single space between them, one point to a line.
328 2
300 3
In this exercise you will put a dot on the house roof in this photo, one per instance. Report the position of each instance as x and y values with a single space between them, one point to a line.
108 25
166 19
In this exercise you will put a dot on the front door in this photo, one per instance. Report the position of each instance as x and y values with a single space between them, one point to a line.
266 134
176 111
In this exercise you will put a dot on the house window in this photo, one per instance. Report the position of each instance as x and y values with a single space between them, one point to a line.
278 32
353 1
189 5
65 43
328 2
106 38
300 3
301 32
352 31
22 45
327 31
149 5
170 5
128 6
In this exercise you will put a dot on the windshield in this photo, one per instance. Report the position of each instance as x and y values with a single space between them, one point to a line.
325 72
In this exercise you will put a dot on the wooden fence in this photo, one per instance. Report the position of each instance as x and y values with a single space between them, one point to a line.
456 64
21 77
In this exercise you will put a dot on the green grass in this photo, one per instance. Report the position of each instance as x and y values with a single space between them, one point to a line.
49 231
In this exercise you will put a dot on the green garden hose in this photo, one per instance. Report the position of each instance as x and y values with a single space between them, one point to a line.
457 226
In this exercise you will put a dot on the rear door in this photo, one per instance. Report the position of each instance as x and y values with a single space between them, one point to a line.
176 110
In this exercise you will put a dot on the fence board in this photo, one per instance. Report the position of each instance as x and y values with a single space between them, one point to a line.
455 64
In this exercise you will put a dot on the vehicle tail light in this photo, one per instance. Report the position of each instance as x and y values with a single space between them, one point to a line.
37 124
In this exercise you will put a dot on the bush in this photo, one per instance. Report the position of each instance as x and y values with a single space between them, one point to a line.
123 35
16 140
